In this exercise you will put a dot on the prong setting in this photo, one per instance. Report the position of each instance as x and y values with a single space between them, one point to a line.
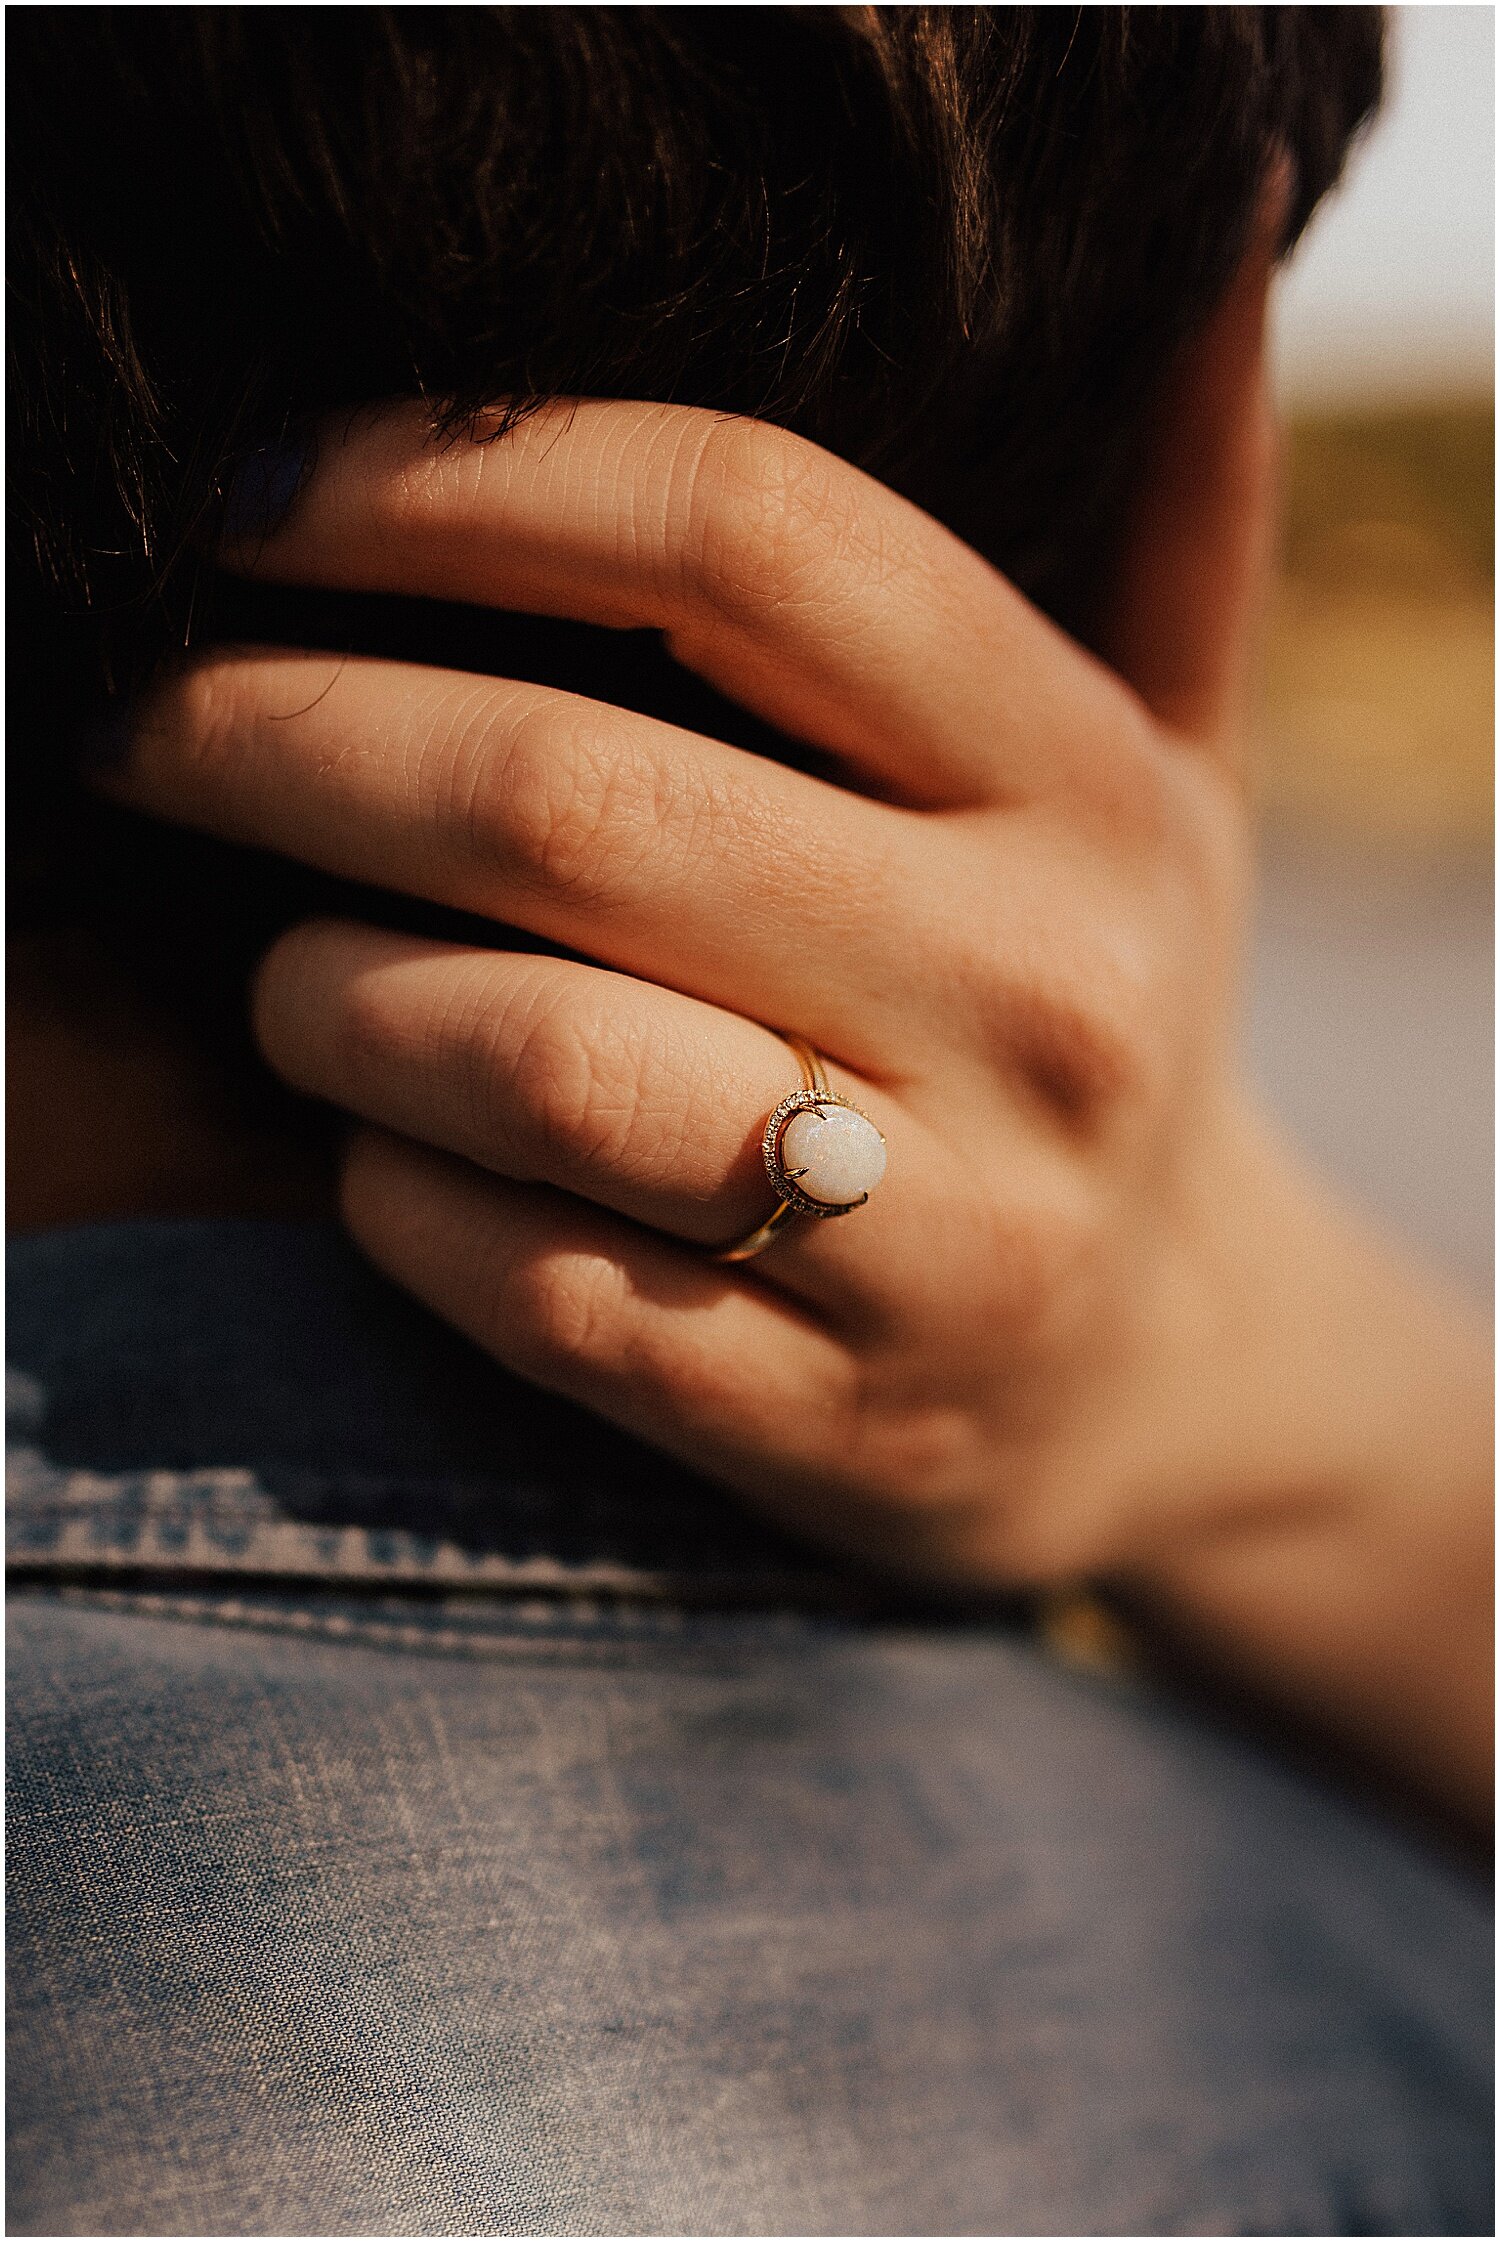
784 1181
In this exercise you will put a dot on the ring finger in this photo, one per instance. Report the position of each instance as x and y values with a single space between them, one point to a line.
550 1071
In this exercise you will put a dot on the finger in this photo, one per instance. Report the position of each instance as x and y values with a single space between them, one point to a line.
1182 627
801 588
661 1342
649 848
549 1071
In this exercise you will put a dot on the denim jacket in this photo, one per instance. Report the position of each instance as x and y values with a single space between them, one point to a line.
434 1813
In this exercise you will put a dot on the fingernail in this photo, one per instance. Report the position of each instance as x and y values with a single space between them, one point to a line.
265 487
102 743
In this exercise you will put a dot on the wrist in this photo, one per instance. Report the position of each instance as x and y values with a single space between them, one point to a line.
1305 1498
1302 1365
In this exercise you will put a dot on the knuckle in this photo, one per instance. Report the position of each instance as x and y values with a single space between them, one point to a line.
767 510
574 1077
1128 798
1086 1044
982 972
568 1308
702 1386
1079 1024
1171 819
567 806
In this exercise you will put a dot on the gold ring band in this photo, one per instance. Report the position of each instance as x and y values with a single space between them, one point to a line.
817 1097
814 1079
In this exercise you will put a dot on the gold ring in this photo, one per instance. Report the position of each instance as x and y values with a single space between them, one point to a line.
819 1184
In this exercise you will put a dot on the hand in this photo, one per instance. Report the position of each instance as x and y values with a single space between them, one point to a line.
1048 1347
1019 970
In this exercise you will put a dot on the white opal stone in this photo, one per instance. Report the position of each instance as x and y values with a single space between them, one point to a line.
840 1154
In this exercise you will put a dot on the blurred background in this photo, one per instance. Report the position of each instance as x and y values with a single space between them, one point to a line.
1371 1017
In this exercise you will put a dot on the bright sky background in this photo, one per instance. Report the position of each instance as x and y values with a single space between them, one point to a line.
1392 293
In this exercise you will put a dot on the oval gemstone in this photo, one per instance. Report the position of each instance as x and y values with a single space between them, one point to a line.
835 1156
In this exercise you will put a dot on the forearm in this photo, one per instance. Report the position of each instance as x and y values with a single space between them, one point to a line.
1327 1538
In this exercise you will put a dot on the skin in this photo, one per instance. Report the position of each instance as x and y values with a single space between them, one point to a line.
1095 1324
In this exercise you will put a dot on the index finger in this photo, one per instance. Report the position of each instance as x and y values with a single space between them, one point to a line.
798 586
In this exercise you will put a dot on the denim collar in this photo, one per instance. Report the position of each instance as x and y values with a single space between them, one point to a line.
248 1399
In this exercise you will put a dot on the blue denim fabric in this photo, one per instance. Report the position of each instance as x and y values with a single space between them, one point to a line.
432 1815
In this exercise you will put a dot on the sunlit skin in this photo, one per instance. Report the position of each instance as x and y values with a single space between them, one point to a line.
1094 1323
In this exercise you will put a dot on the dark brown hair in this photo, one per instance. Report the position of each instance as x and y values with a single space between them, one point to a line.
956 245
